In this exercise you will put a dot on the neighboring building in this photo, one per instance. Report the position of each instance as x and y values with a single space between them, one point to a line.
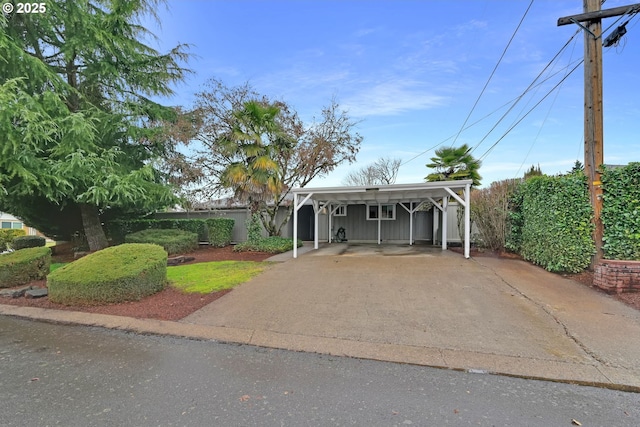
10 221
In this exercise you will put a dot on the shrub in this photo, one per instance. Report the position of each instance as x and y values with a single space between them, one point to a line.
272 244
7 235
121 273
490 212
118 229
621 212
553 222
254 229
173 241
220 231
22 242
20 267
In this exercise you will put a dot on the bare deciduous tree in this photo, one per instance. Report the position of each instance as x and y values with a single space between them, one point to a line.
315 149
383 171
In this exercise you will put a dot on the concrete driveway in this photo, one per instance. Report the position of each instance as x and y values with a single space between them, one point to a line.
427 306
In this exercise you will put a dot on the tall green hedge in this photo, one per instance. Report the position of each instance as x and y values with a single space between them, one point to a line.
551 222
117 229
220 231
621 212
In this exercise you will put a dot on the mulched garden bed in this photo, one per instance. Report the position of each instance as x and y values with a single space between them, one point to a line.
168 304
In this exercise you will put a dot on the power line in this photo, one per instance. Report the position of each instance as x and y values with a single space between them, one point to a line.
486 116
492 73
530 110
526 90
535 140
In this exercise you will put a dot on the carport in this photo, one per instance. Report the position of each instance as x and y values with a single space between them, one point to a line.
411 197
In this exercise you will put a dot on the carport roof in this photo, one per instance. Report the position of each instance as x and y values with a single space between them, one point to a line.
396 193
383 194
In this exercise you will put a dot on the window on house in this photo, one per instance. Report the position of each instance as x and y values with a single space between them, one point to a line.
11 224
372 212
341 211
388 211
384 212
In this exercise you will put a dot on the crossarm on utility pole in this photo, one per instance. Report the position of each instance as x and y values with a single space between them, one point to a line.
599 14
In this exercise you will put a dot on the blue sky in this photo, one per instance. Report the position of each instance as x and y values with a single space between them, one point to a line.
411 72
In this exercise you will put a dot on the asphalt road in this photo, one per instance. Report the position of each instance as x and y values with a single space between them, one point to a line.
54 375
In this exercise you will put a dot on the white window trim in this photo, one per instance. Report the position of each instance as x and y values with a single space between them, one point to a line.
340 210
393 212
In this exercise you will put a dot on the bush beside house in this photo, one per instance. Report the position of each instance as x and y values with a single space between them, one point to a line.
490 213
118 229
173 241
220 231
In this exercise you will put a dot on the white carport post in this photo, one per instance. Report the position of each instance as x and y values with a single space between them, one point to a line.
329 206
295 225
467 220
445 207
410 223
316 211
297 206
435 216
466 203
411 210
379 222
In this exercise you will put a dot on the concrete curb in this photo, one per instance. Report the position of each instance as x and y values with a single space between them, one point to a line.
591 374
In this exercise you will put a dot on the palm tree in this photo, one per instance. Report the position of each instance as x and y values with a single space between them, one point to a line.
254 175
453 164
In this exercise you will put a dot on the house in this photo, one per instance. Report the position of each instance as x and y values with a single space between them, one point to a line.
10 221
387 213
399 213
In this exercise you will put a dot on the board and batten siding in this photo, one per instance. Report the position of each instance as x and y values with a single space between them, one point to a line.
356 225
359 229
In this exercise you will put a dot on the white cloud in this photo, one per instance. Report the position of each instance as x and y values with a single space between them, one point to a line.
392 97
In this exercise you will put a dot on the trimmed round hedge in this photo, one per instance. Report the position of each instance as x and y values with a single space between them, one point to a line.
121 273
23 266
22 242
173 241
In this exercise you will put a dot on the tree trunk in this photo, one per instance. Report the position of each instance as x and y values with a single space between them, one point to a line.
93 230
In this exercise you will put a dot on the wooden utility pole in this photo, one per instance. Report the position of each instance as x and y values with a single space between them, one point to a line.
591 22
593 120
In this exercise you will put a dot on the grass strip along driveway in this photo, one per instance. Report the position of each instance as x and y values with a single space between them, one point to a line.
207 277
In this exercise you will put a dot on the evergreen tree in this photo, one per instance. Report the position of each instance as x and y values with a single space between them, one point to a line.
78 129
533 171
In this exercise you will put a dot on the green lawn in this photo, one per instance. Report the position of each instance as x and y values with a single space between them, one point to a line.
56 265
207 277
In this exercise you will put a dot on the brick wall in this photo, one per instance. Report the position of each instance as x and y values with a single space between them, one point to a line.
617 276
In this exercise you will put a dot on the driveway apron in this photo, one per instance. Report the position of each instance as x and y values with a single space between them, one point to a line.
424 305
